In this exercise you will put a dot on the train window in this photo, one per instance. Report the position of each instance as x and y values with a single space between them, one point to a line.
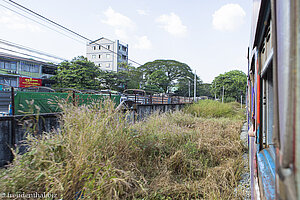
267 107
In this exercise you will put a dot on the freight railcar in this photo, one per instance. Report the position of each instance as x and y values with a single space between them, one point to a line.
273 99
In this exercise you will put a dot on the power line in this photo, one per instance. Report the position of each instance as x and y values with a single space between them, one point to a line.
40 23
29 49
45 18
25 54
65 28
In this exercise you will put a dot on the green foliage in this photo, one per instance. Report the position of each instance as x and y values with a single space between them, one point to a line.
204 90
215 109
130 77
234 83
153 88
78 73
158 79
165 73
82 74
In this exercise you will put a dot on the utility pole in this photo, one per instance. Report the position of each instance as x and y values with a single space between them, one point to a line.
223 95
215 91
195 85
241 100
189 89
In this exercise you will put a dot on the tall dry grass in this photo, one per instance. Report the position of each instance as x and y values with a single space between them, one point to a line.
97 155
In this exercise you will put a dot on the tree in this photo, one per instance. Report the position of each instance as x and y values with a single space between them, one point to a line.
170 73
128 78
131 76
108 79
78 73
204 90
234 83
159 79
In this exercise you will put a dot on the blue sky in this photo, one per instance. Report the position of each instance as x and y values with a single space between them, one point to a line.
210 36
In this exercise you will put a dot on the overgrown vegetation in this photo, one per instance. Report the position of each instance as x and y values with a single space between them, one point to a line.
98 155
215 109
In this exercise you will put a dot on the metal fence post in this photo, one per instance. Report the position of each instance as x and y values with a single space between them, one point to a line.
13 100
13 121
73 98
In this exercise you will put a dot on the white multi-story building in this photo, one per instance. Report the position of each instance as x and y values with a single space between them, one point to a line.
107 54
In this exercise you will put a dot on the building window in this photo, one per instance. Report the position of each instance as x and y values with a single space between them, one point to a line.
34 68
108 47
13 66
28 67
99 56
107 65
94 47
107 55
13 82
8 81
124 57
93 56
8 65
2 65
124 48
24 67
99 47
48 70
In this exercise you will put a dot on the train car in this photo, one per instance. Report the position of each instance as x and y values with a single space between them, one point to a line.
273 99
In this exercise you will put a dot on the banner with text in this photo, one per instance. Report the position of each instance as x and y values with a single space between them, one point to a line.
29 82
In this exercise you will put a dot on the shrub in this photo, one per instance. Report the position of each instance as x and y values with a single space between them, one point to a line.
97 155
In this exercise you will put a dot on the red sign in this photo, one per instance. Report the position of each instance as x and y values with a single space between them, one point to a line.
29 82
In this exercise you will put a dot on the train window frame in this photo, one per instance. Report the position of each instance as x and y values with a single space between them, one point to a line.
267 105
267 93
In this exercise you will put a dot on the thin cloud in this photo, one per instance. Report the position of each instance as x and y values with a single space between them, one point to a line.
121 23
143 43
229 17
12 21
142 12
172 24
117 20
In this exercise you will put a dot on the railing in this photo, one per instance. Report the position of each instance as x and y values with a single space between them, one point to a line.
150 99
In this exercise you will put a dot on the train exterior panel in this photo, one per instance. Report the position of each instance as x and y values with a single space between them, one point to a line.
273 105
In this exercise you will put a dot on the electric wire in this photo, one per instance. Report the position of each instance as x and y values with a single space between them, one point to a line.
29 49
53 22
25 54
41 24
65 28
